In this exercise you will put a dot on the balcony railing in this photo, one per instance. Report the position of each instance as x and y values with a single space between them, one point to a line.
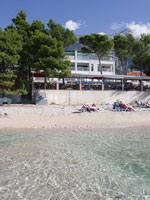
83 68
107 58
86 57
70 57
106 70
72 68
82 57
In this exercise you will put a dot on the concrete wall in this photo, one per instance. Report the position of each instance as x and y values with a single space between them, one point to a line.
9 99
77 97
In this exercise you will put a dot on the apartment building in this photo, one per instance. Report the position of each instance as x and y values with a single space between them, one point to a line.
82 63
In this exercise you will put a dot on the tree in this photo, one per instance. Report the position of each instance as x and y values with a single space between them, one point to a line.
10 47
141 54
26 31
121 46
20 24
48 55
37 56
98 44
65 35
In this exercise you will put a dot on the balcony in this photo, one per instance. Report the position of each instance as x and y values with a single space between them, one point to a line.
82 57
82 68
70 57
107 58
72 68
107 70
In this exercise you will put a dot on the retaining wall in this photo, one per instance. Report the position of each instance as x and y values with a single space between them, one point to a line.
77 97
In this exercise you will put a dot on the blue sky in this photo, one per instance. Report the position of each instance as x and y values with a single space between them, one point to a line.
83 16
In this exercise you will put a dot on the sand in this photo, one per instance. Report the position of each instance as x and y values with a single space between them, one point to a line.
51 117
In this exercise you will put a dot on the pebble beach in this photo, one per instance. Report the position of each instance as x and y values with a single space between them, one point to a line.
68 117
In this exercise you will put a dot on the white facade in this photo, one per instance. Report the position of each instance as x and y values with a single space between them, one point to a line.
88 64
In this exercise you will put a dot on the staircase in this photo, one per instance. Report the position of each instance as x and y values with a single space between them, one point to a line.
40 98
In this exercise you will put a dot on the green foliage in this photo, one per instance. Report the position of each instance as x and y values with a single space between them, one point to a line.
48 55
10 47
36 25
98 44
63 69
21 25
8 84
7 75
25 47
121 46
141 54
65 35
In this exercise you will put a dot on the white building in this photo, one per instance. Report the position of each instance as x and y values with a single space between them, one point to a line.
89 64
82 63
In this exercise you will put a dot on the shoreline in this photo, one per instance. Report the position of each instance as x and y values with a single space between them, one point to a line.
39 118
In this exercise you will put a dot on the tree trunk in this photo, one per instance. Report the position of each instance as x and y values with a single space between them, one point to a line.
126 68
141 73
120 66
30 83
141 84
63 82
45 82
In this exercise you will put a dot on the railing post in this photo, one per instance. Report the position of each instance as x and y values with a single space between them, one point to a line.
103 84
141 83
57 86
80 86
122 84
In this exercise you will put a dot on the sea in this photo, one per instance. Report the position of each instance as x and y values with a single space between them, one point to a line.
104 164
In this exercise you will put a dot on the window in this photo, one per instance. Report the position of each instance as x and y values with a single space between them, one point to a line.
98 68
92 67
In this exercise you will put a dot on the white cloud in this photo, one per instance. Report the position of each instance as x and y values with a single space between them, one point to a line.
139 28
102 33
71 25
116 25
136 28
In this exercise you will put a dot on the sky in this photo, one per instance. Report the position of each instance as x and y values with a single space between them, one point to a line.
83 16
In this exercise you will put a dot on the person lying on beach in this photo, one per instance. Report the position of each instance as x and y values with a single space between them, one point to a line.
94 106
125 107
122 107
90 108
116 106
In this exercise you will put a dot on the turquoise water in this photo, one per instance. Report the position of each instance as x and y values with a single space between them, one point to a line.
105 164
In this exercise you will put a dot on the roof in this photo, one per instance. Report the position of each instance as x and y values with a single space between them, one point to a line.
101 76
77 46
115 77
135 74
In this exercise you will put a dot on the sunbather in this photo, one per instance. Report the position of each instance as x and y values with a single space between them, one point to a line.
122 107
116 106
88 108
